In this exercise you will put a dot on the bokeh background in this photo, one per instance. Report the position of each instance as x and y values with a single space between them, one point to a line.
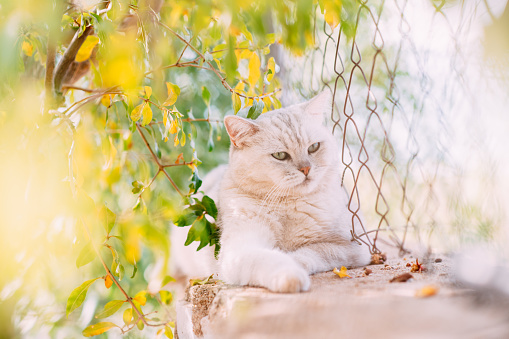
420 114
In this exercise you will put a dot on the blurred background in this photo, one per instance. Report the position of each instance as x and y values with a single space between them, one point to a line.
110 111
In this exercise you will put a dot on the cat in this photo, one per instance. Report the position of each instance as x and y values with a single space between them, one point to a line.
282 210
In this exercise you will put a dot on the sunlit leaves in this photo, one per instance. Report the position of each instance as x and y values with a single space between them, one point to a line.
166 297
108 219
98 328
271 69
141 297
256 109
27 48
237 104
144 110
173 93
254 69
86 49
77 296
110 308
107 281
86 255
147 114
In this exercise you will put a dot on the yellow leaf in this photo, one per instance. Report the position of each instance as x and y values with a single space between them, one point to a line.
254 70
27 48
192 166
173 93
108 282
98 328
176 140
148 92
86 49
332 12
268 103
173 127
137 112
271 66
147 115
141 297
426 291
341 273
106 100
127 316
237 104
168 331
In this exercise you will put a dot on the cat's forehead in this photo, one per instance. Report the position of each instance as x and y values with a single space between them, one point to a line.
291 128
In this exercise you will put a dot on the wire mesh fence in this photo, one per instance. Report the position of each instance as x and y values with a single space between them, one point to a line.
408 89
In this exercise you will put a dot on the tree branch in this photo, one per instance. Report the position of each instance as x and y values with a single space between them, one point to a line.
68 58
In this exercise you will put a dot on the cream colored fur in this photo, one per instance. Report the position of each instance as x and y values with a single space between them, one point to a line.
277 224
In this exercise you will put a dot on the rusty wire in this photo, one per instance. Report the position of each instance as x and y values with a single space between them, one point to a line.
355 123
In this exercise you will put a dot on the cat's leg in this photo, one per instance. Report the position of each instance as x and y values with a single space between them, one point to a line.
248 257
320 257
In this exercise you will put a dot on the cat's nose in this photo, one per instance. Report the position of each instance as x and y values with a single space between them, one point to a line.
305 170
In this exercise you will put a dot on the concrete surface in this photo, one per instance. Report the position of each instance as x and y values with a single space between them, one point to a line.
431 305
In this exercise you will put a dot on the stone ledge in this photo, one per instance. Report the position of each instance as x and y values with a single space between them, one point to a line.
358 307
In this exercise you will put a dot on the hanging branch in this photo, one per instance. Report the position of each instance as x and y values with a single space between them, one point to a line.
69 56
212 68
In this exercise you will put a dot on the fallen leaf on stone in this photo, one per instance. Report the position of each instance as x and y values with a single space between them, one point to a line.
426 291
341 273
207 280
438 260
378 258
416 267
402 278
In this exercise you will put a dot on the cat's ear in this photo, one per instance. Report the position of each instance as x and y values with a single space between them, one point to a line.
320 105
240 129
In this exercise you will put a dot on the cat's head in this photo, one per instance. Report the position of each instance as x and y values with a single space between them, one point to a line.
288 150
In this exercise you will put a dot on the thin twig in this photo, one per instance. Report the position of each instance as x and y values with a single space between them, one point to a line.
128 298
159 165
223 80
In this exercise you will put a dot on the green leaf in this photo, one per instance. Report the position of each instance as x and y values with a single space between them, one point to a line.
98 328
199 231
185 219
166 297
135 269
195 184
127 316
137 187
140 325
86 255
210 206
120 272
205 94
168 279
110 308
256 109
77 296
108 218
237 104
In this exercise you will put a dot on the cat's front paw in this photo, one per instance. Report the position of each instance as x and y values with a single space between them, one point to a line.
289 280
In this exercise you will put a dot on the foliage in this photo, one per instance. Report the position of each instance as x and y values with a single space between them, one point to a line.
104 109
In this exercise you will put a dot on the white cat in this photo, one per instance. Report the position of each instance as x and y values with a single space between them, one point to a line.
282 211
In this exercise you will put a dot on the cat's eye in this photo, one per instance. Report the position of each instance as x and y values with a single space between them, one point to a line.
313 148
281 155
